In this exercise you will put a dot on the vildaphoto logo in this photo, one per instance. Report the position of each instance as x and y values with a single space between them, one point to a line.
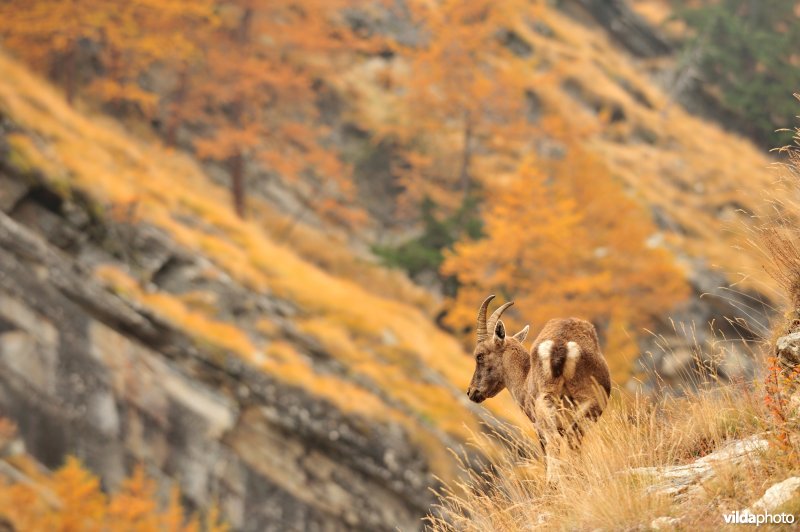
748 518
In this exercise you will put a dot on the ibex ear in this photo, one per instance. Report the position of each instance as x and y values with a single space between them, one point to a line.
499 333
520 336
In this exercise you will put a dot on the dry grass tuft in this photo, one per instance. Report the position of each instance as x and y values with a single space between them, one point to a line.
778 237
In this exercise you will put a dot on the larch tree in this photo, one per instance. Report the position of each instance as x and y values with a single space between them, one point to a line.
461 97
124 40
563 239
47 35
138 35
256 95
72 499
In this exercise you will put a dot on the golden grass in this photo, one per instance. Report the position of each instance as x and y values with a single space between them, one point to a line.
596 487
279 358
362 306
374 321
212 333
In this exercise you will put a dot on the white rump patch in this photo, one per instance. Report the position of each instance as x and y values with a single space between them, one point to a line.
544 355
573 354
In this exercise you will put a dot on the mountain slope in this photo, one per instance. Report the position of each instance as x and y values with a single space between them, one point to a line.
265 360
698 188
122 270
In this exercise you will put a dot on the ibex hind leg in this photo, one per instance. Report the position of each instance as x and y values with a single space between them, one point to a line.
586 412
548 428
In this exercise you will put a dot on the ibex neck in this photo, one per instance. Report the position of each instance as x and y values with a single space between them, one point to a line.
517 364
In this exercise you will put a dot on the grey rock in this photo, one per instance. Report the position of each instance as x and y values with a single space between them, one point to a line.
685 479
11 191
788 350
776 496
86 373
627 28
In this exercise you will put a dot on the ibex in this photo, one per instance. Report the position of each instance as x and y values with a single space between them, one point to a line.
561 382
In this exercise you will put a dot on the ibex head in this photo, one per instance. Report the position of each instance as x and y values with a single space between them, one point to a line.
489 378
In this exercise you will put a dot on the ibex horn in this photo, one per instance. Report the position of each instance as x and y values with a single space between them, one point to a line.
496 316
483 335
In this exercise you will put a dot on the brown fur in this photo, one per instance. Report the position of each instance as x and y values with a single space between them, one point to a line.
558 400
558 391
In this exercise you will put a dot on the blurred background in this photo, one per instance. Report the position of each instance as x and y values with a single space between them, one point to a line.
243 242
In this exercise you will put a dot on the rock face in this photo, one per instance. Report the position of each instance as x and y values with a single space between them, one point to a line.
85 372
665 523
686 347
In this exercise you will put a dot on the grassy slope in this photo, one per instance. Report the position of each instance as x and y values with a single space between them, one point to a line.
351 317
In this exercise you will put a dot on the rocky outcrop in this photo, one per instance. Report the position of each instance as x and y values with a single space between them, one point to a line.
686 479
664 523
87 373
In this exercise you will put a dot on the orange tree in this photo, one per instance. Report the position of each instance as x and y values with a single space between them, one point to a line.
71 499
47 35
254 99
563 239
461 97
242 77
125 39
139 36
457 118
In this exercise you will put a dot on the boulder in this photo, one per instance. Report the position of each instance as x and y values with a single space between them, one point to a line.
776 496
787 349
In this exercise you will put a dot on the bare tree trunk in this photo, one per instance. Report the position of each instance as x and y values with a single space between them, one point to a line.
237 184
177 100
245 23
69 73
115 70
466 156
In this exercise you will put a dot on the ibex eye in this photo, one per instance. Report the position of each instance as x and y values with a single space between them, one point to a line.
480 359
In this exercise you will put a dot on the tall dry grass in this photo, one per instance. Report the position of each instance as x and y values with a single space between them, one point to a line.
597 486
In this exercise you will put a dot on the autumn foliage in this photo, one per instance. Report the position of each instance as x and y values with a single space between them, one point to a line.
459 100
536 153
564 240
242 76
71 499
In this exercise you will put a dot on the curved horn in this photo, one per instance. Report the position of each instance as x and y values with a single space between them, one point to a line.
496 316
483 334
